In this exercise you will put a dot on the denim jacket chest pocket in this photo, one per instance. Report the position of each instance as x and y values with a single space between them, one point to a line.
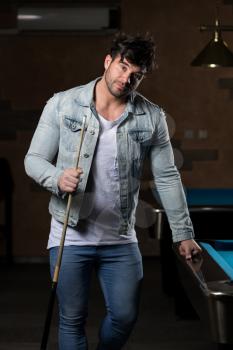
141 137
70 132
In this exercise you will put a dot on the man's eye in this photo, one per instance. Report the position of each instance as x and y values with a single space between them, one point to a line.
124 68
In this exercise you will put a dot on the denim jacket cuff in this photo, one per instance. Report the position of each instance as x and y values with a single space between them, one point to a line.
55 189
182 236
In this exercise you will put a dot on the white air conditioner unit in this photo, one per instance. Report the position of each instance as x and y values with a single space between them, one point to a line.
72 18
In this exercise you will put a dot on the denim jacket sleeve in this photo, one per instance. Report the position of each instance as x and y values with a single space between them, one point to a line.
44 147
167 184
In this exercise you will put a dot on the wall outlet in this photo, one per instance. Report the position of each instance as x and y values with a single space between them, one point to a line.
202 134
189 134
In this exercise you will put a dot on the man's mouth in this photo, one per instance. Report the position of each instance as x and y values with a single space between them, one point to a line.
120 86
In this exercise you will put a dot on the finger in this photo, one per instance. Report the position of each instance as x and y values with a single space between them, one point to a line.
71 180
71 184
181 250
186 252
75 172
188 255
69 189
79 170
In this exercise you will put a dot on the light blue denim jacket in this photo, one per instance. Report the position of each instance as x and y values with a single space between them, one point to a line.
142 133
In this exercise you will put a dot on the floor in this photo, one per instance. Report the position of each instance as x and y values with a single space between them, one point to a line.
24 295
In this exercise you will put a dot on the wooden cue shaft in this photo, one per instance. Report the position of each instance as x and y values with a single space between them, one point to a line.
63 236
59 257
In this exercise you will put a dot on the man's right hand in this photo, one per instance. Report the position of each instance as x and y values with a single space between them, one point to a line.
69 180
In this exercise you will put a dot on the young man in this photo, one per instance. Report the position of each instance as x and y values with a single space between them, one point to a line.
123 128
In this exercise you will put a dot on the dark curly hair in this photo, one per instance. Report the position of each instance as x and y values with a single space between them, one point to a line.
138 49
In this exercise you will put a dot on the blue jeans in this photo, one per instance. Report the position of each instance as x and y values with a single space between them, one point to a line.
119 270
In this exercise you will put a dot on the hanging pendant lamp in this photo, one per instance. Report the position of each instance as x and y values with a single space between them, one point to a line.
216 52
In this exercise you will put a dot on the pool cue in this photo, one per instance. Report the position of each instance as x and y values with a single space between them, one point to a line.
59 257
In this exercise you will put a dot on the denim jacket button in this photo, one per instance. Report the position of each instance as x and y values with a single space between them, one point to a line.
92 132
86 155
73 126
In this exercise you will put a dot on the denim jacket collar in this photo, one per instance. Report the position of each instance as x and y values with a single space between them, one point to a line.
85 98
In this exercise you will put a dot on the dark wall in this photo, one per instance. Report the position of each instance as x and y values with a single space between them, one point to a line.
198 101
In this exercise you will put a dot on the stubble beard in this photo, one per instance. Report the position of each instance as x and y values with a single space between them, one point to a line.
110 85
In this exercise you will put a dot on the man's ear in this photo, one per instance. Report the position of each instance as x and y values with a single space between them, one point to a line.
107 61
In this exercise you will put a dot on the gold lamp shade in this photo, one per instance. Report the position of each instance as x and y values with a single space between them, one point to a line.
216 52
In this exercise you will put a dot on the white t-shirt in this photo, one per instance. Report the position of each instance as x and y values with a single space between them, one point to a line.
100 213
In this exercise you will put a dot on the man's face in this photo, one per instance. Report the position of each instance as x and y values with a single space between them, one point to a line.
121 76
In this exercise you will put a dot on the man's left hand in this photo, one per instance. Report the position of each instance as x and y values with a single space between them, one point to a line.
189 248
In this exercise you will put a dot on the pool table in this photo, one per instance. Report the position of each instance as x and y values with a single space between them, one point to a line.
211 211
208 282
209 221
